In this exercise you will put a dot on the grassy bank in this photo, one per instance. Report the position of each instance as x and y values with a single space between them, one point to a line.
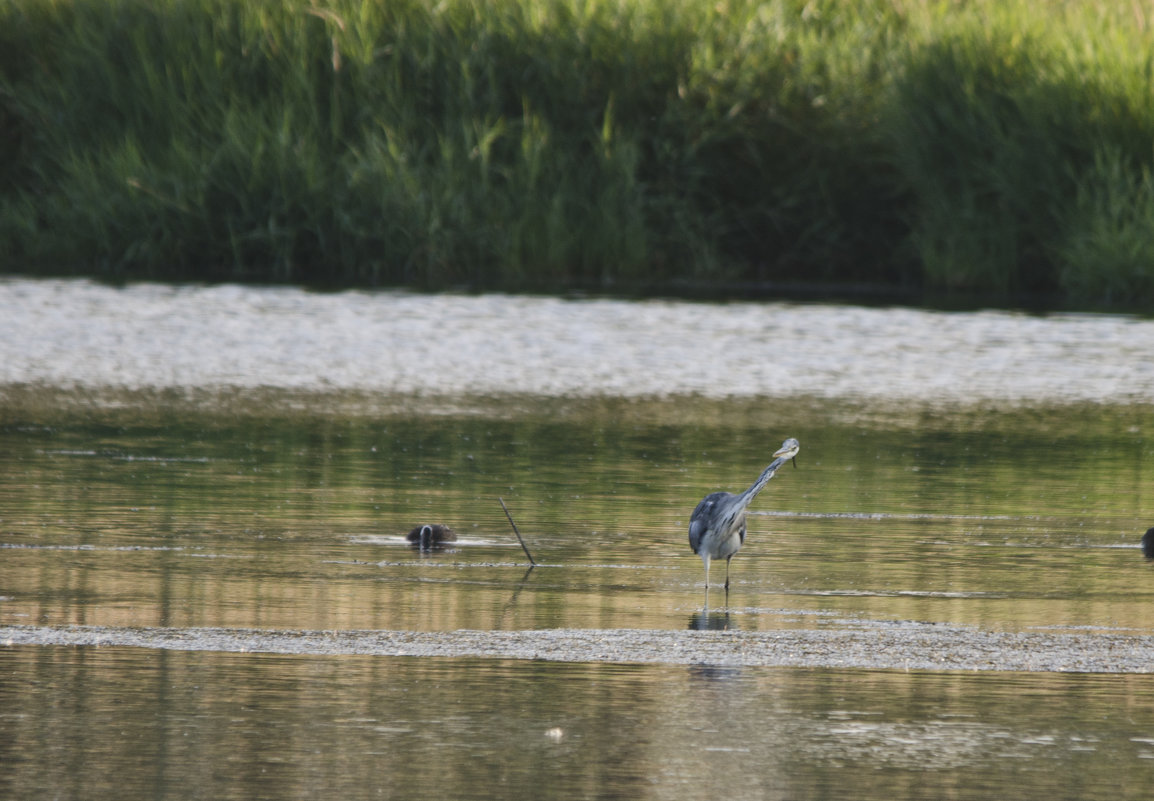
981 146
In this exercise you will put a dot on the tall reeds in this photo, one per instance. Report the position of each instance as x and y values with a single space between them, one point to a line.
1025 135
980 146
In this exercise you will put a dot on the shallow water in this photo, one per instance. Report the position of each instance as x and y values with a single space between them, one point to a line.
181 493
132 723
297 521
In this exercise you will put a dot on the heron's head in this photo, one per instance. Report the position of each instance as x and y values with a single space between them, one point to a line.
788 449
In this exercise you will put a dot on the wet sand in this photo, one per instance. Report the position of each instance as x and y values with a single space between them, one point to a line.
901 645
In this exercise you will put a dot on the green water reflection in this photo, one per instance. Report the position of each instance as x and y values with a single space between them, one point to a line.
170 514
166 512
134 723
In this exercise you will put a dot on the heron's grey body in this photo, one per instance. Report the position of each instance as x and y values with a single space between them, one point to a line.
717 525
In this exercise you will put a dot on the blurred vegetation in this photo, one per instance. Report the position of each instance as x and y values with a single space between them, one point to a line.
982 146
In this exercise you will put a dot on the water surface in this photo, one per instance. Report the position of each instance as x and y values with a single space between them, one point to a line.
297 520
132 723
204 490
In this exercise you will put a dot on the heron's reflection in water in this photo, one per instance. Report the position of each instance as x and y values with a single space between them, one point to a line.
711 621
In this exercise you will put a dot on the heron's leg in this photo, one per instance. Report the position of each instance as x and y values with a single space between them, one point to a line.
727 573
705 558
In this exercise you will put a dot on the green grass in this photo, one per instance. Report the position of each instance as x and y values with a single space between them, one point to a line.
998 147
1018 134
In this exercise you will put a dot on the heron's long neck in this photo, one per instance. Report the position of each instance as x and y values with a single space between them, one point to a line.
747 497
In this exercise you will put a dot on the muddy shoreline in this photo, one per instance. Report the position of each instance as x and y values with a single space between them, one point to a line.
899 645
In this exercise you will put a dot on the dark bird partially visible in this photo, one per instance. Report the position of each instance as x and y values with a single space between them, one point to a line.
430 536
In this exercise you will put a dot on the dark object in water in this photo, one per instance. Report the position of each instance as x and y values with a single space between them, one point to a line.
1148 543
431 536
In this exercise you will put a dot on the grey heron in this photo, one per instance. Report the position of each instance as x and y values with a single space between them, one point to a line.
717 525
429 536
1148 544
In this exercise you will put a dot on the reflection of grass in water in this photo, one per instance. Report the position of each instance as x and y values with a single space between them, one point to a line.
597 487
537 143
622 469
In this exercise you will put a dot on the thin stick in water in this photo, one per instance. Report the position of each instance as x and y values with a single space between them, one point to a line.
524 547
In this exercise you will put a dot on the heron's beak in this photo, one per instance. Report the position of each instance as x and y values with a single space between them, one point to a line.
787 453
